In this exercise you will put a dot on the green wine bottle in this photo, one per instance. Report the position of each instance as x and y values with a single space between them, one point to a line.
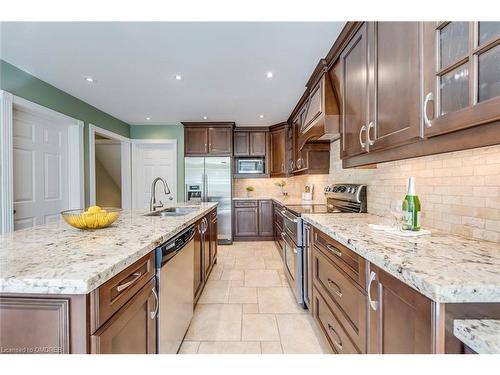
411 208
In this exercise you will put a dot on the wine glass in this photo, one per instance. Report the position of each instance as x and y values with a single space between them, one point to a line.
396 210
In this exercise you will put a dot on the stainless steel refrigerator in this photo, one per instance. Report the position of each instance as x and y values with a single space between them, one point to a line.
212 175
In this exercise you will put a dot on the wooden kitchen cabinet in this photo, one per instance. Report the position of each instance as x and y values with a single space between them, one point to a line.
246 219
258 143
400 318
205 251
461 75
207 239
442 95
198 261
132 330
220 140
214 241
354 88
394 99
241 143
307 265
195 141
266 218
208 138
253 220
279 150
250 141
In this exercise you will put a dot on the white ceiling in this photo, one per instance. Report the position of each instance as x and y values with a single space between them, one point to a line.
223 66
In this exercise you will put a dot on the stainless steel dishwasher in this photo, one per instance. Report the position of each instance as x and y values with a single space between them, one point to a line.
175 279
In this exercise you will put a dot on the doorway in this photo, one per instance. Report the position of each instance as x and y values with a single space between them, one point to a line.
109 169
108 174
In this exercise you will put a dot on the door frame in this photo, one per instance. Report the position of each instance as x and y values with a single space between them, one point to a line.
125 164
137 142
76 189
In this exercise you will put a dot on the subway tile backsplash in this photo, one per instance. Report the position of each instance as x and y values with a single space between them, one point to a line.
459 191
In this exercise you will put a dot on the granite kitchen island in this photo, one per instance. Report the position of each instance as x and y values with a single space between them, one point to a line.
67 290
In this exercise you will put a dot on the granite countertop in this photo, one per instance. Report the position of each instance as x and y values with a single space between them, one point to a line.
281 200
59 259
482 336
443 267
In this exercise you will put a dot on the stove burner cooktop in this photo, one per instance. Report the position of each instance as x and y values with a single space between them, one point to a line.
299 209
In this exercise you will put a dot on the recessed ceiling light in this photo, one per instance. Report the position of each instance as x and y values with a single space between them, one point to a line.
89 79
269 74
148 118
261 116
205 117
178 77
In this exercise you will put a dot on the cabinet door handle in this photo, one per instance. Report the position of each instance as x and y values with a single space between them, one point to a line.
373 304
334 250
291 165
370 142
209 147
152 314
124 286
338 342
282 167
363 144
336 287
429 97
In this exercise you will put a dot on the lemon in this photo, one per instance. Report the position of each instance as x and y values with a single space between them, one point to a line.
94 209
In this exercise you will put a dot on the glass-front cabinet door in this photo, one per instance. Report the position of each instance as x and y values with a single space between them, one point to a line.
461 75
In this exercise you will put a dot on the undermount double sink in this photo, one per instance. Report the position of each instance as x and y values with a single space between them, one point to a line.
172 211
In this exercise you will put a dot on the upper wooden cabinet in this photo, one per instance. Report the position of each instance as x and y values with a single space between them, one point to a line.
462 77
353 72
195 140
279 150
394 96
409 89
250 142
208 138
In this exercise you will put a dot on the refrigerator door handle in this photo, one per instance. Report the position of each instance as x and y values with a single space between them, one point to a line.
203 187
206 187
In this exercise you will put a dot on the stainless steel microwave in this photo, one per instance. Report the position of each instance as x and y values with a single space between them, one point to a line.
250 166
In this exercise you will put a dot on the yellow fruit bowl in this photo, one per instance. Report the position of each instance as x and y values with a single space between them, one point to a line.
93 218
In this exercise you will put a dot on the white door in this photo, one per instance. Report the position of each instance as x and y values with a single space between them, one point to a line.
151 161
40 156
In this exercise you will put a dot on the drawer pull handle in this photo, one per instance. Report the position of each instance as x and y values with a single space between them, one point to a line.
338 342
157 304
336 287
124 286
333 250
373 304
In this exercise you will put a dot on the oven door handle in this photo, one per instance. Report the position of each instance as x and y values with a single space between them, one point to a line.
284 237
285 214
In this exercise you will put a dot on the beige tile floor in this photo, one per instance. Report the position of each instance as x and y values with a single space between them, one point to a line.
247 307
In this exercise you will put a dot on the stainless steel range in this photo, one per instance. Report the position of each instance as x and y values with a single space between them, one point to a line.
341 198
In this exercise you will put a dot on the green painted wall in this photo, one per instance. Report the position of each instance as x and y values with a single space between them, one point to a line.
165 132
22 84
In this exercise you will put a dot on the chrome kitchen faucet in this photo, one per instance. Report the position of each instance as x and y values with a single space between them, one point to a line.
152 200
